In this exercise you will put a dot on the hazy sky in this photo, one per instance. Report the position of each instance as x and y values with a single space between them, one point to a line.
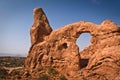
16 18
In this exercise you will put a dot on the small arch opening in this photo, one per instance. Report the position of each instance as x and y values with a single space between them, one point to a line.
83 41
63 46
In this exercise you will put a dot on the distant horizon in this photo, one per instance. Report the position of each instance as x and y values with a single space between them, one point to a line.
12 55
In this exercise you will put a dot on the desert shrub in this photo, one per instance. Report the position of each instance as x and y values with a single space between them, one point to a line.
51 70
62 78
3 73
2 76
43 77
39 69
15 72
12 61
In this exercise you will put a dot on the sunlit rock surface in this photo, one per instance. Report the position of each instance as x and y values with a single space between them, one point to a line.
57 48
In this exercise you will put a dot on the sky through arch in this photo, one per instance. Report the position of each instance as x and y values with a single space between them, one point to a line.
83 41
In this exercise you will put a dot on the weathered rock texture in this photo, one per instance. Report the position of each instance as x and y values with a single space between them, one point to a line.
40 28
58 49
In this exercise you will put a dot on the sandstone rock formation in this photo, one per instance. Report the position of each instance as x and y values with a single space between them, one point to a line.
58 49
40 28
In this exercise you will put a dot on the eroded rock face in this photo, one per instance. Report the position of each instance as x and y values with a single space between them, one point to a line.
40 28
58 49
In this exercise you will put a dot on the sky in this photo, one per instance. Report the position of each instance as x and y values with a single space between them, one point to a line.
16 18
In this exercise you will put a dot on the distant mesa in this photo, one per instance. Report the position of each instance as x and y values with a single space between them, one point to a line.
58 49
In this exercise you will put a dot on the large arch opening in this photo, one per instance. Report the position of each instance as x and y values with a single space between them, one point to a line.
83 42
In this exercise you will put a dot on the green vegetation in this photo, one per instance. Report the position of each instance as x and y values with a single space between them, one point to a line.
39 69
3 73
15 72
10 64
43 77
51 70
12 61
62 78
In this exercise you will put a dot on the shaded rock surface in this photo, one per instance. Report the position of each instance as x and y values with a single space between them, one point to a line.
58 49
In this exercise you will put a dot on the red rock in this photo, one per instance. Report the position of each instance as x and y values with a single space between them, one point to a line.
58 49
40 28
